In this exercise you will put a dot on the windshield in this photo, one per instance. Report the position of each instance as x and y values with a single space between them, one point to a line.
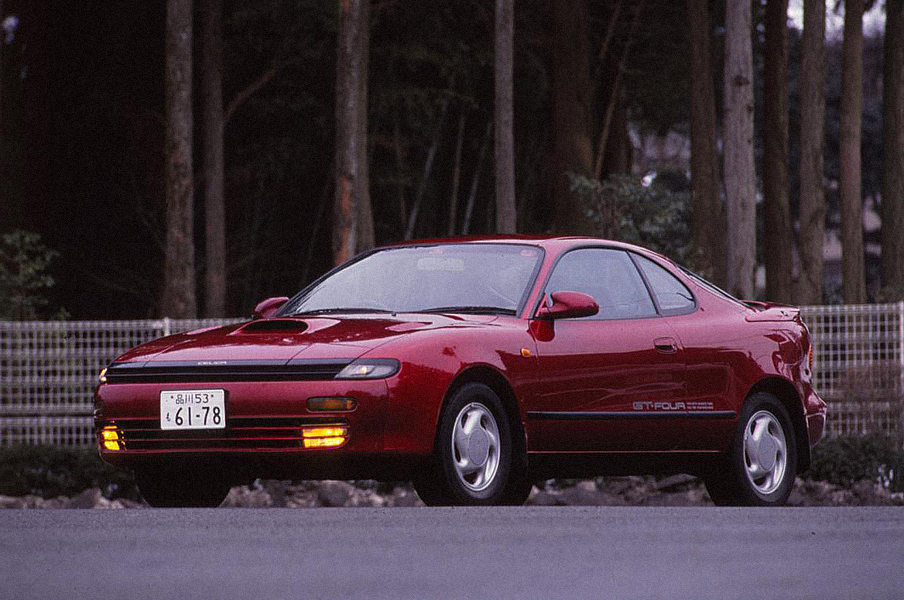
477 278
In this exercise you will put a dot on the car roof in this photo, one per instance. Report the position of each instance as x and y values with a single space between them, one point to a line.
548 242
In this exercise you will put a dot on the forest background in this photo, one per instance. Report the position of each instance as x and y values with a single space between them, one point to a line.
182 158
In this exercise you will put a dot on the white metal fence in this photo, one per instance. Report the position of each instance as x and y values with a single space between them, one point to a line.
48 370
859 365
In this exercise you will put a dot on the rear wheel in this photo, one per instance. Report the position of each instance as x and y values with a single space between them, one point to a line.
760 466
473 455
165 489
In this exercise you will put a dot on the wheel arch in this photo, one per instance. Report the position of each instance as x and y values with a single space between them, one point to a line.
787 395
497 382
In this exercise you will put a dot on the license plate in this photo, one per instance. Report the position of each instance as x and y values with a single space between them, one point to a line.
193 409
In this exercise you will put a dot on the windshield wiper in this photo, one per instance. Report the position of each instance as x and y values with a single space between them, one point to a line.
477 310
332 311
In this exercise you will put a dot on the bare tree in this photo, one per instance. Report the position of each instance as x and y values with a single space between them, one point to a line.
214 208
504 106
778 243
849 189
2 43
812 151
179 260
707 222
456 175
740 185
893 149
573 144
353 229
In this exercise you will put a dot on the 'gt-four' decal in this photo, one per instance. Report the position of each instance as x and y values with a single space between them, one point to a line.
644 405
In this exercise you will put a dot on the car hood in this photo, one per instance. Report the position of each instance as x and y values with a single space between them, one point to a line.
284 339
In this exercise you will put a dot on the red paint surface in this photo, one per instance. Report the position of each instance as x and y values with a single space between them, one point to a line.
711 357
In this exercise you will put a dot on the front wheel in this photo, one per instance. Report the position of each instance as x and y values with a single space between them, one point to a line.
760 466
473 455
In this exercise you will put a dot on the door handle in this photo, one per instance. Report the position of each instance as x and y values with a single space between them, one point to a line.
666 345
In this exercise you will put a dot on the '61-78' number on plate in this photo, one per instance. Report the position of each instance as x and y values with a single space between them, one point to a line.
193 409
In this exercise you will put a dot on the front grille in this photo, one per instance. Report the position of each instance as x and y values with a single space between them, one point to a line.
239 433
206 371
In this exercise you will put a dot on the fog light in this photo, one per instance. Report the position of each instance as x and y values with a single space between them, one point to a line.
332 404
324 436
331 442
111 438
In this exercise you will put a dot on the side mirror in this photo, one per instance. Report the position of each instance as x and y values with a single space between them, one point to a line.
267 307
568 305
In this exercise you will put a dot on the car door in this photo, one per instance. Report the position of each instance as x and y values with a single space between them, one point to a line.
708 339
612 381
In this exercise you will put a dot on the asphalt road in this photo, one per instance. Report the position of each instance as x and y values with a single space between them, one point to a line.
425 553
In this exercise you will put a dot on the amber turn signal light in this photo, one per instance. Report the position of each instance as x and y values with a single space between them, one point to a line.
332 404
111 439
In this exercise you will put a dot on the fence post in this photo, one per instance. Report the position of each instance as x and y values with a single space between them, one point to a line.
166 326
901 342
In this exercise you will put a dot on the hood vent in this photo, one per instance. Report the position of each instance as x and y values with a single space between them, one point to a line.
274 326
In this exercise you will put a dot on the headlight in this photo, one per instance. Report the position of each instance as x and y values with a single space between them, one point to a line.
103 375
370 368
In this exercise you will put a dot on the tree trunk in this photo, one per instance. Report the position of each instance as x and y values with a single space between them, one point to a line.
214 209
573 144
2 43
366 238
615 94
740 185
893 151
812 151
778 243
707 222
456 175
428 169
852 264
475 180
178 299
506 221
353 221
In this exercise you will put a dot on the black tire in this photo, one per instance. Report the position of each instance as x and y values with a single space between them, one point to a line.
518 490
473 470
765 432
165 489
429 490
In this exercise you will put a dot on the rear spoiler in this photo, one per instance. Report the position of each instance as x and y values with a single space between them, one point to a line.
772 311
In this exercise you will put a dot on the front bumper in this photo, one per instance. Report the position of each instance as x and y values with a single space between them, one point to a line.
264 426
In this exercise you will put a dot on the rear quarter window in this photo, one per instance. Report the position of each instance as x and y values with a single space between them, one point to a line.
672 296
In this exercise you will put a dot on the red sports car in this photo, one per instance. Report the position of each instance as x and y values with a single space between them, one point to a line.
475 367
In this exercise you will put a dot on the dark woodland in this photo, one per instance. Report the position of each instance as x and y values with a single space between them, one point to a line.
319 128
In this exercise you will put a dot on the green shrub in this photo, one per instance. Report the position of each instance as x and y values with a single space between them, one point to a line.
654 214
24 277
844 460
49 472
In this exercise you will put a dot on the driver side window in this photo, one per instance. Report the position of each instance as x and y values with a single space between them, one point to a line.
610 277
